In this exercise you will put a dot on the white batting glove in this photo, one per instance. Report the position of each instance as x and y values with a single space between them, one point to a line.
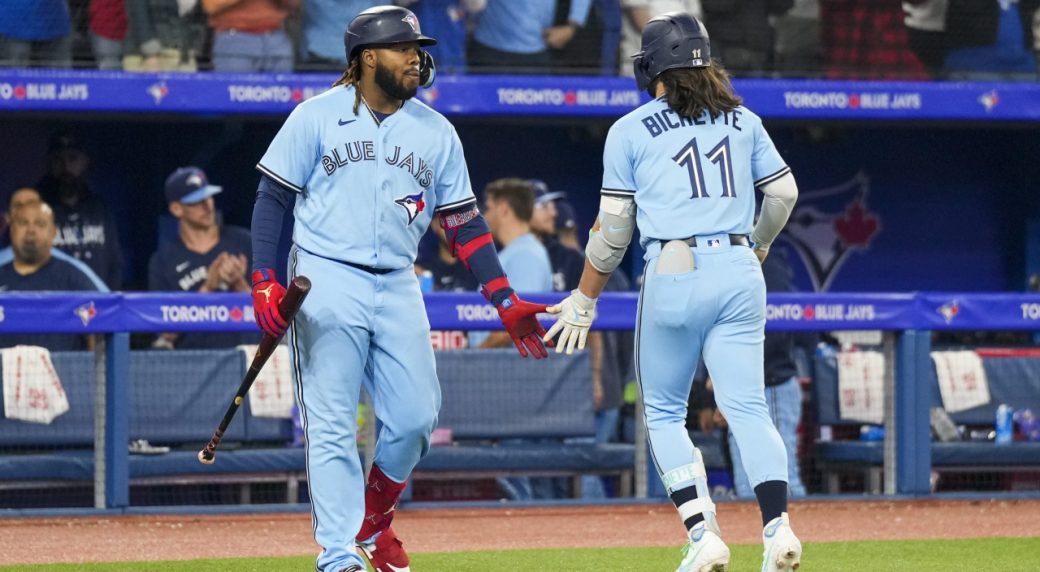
576 314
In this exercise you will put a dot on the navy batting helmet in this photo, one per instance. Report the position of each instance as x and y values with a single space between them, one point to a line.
672 40
383 25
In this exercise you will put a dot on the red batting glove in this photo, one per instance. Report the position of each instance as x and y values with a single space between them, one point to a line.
267 294
520 320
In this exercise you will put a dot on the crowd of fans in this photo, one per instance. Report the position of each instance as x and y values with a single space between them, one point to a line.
841 39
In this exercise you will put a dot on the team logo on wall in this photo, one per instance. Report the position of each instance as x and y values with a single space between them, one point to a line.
86 313
158 91
414 204
989 100
828 225
949 310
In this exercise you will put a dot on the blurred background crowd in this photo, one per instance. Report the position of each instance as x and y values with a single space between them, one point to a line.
841 39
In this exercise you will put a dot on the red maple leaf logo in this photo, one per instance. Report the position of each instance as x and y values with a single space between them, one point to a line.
857 226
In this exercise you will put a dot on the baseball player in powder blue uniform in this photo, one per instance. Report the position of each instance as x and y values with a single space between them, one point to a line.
365 168
684 168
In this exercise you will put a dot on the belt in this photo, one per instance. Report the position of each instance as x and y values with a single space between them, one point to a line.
369 269
734 239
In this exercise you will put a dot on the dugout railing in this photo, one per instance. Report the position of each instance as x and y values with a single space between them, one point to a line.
923 335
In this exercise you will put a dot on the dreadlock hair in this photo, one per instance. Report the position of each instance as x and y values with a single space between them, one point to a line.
353 77
691 91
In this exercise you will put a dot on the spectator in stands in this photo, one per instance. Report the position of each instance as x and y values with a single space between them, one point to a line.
34 269
567 262
797 45
86 228
26 196
567 226
866 40
508 207
445 20
783 390
249 35
323 24
162 35
205 257
515 37
741 34
635 15
108 29
583 54
36 33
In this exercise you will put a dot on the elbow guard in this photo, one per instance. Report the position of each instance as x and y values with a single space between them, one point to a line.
607 246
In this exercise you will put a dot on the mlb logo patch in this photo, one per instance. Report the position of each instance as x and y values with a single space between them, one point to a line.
714 242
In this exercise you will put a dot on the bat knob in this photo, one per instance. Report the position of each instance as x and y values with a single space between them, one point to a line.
206 458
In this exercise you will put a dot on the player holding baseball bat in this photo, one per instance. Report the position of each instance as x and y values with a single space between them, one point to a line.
287 308
366 168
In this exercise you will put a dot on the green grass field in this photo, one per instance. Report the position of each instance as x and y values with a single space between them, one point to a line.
976 555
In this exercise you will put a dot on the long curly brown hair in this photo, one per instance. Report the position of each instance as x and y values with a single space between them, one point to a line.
691 91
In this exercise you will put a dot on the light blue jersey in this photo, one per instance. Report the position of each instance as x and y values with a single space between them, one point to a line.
696 177
368 190
689 176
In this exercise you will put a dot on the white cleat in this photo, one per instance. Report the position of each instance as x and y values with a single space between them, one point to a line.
783 551
706 552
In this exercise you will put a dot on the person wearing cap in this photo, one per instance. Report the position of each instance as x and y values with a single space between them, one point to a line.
567 262
205 256
86 228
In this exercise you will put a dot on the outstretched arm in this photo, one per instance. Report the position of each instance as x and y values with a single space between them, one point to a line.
608 241
469 238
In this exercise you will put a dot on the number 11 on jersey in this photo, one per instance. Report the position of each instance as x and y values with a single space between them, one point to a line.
689 157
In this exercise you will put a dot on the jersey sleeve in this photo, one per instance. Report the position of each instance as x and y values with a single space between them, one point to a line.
293 152
618 175
453 185
766 163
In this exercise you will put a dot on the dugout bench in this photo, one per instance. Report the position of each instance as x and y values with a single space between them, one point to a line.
508 417
1012 380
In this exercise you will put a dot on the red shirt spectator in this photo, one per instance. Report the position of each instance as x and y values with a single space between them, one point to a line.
867 40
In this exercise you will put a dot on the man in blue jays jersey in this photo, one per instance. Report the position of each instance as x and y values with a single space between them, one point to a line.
684 168
365 167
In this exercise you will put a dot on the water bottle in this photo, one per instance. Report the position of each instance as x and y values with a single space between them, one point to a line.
1004 424
426 281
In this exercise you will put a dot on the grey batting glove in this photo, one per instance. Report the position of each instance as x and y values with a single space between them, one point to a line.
576 314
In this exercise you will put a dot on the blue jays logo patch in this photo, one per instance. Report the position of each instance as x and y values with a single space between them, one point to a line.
412 21
828 225
414 204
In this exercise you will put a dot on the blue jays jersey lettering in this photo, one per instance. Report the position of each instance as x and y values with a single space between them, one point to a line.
689 176
368 190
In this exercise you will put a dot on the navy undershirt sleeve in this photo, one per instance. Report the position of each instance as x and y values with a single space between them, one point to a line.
272 202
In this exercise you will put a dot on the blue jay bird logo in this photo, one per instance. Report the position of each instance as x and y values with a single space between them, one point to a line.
414 204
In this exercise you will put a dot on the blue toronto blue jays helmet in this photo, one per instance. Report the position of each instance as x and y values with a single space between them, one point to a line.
383 25
670 41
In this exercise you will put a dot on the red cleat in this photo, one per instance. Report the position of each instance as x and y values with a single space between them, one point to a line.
387 553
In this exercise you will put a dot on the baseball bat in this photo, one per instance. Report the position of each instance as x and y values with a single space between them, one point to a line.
290 304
